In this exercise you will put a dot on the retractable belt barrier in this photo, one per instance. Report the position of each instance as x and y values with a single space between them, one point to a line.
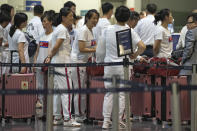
89 64
136 87
131 87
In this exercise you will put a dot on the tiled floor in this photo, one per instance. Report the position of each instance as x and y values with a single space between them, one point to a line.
41 126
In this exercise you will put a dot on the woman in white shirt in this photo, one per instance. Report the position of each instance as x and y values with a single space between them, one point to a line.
122 15
17 41
83 48
163 40
60 53
42 52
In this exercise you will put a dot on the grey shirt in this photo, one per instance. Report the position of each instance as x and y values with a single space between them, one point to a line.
190 51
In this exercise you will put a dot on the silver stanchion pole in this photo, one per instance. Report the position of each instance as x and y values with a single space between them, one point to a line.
127 95
193 100
115 114
175 108
49 122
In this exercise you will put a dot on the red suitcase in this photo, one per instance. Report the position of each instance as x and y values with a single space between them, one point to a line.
20 106
141 101
95 100
184 98
163 102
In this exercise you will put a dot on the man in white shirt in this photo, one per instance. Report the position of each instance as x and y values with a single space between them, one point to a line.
107 9
35 27
146 29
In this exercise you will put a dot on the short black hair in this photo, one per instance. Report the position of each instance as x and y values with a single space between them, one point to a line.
134 15
151 8
122 14
90 13
4 17
7 8
69 4
38 9
106 7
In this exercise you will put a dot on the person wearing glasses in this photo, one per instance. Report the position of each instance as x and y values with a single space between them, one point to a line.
190 25
190 50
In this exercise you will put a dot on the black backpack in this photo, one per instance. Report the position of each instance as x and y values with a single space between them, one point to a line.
32 47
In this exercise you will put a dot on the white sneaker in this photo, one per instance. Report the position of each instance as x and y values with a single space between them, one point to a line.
122 125
71 123
57 122
80 119
107 125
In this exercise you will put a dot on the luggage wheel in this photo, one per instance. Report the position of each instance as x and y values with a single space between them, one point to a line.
3 122
28 121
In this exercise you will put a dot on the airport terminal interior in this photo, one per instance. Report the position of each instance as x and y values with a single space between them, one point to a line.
98 65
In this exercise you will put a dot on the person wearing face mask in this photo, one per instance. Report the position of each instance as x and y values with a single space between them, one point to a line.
83 48
60 53
190 50
18 42
163 40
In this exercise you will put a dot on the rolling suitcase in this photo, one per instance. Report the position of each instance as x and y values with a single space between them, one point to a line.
184 98
163 100
141 102
95 105
20 106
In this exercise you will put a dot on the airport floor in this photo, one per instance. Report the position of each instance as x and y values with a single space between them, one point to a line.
39 125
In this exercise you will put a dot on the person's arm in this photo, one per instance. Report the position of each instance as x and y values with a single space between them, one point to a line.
141 48
36 55
21 52
22 56
84 49
189 45
54 50
1 41
156 47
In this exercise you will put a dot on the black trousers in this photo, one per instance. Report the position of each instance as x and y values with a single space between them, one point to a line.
149 51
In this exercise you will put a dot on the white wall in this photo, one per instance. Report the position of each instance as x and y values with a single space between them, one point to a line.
3 1
136 4
81 4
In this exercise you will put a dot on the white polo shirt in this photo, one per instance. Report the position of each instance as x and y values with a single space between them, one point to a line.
111 44
18 37
63 53
1 32
166 43
146 29
102 24
83 34
35 28
44 47
181 42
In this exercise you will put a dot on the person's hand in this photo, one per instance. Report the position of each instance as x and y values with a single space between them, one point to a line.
6 44
142 59
47 60
23 70
133 56
34 70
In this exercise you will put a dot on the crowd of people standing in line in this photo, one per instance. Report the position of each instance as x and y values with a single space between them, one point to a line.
66 38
